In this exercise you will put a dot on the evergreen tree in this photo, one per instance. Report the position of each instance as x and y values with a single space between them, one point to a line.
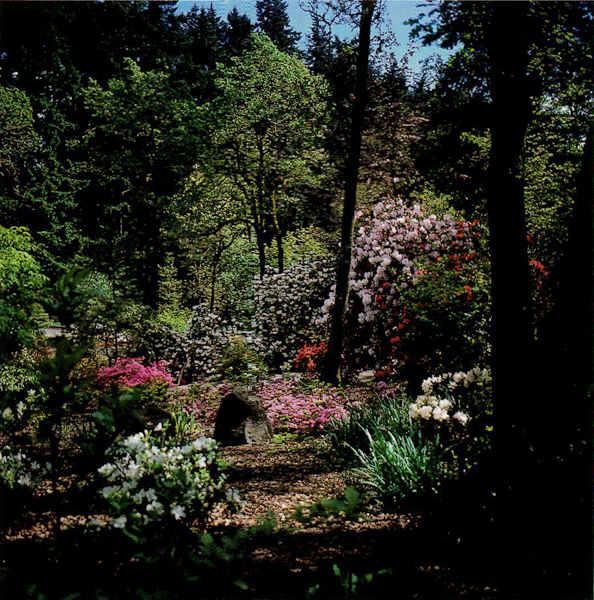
273 20
199 48
236 34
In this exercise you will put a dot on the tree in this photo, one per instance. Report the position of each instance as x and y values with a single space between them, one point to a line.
273 21
49 51
526 79
21 285
266 136
200 36
19 143
236 34
336 340
142 141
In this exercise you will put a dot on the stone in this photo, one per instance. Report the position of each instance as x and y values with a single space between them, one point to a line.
149 417
241 419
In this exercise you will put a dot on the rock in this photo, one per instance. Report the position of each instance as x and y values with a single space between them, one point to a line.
241 419
149 417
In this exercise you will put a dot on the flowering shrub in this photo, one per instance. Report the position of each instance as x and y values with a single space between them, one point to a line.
309 357
130 372
286 306
297 410
431 407
17 469
418 291
152 482
542 292
202 401
443 394
196 351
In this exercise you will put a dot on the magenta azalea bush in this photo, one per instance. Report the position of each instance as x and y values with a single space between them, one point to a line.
131 372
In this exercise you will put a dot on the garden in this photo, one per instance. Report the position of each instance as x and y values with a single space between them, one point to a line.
380 279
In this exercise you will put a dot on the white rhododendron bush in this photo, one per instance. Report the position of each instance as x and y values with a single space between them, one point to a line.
287 305
418 300
150 480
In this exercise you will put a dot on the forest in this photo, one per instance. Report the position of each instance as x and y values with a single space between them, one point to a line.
282 316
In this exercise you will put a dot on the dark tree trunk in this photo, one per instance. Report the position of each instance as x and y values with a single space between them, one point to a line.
565 392
512 329
331 371
213 280
281 252
261 250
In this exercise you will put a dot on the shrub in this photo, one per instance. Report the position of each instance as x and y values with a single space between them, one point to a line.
458 407
196 351
444 393
240 362
286 307
16 469
310 357
419 292
153 482
309 411
131 372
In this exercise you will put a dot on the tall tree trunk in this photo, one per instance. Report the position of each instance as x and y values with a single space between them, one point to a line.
565 391
213 280
280 252
261 249
512 333
332 364
278 235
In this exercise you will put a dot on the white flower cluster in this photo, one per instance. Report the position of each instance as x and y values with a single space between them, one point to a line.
432 407
17 469
9 414
196 351
431 404
448 382
287 304
152 482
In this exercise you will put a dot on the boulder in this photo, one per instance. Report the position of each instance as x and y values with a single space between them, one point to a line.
241 419
149 417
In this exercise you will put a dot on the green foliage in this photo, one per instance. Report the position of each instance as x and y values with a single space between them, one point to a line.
384 413
395 457
266 135
21 285
346 584
185 427
241 363
331 510
171 311
399 467
18 143
141 142
112 314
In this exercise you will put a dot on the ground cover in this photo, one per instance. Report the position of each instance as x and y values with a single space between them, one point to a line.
330 547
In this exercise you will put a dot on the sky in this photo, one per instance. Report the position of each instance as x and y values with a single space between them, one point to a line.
398 11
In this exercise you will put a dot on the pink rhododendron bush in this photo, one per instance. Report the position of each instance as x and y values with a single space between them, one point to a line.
132 372
418 302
